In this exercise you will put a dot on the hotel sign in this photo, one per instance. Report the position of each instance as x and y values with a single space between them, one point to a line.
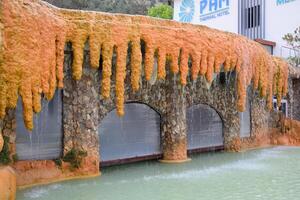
282 2
211 9
202 10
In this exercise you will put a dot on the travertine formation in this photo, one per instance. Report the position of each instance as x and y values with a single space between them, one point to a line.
32 49
8 184
1 142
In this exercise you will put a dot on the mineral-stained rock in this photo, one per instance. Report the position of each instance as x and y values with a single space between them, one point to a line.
7 183
41 31
1 142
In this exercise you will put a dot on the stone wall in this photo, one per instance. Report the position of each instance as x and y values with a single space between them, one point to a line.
9 125
82 101
294 100
84 109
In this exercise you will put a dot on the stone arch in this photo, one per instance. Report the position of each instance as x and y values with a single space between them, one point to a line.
133 137
205 128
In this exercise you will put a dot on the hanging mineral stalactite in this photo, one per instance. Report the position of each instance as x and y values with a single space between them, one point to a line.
136 60
34 35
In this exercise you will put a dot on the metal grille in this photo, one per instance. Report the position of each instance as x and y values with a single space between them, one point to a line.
45 141
136 134
252 18
205 127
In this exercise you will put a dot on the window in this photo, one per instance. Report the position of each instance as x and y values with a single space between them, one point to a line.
268 45
251 18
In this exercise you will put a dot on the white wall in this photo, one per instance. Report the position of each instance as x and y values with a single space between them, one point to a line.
222 16
281 19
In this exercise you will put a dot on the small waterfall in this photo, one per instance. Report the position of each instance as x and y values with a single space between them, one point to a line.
31 146
193 95
122 125
36 132
44 120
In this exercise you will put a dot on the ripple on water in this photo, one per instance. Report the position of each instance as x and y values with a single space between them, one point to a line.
255 175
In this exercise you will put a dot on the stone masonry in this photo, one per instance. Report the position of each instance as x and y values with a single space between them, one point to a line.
84 109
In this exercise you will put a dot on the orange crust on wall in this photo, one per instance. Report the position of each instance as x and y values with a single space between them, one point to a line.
33 35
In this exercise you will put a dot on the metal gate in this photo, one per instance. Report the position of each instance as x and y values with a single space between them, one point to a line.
135 135
45 140
205 127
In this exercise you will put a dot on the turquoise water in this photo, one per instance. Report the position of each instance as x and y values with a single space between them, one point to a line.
267 174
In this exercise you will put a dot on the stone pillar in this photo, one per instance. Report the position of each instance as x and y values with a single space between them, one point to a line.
80 114
8 182
174 133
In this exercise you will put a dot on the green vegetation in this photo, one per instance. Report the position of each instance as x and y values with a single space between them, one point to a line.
15 157
5 153
163 11
74 157
139 7
293 41
58 162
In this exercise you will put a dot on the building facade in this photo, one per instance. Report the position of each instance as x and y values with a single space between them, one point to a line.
264 20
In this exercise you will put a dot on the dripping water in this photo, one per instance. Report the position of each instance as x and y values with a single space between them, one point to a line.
192 103
229 78
59 114
37 131
44 123
31 151
122 125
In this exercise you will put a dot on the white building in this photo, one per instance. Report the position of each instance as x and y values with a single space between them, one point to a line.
265 21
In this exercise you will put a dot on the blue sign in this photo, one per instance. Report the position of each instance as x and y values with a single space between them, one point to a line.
281 2
187 10
210 9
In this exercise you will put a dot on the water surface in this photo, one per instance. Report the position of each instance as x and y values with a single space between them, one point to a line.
267 174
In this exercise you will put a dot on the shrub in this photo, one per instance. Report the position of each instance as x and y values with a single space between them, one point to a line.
5 153
163 11
293 41
74 157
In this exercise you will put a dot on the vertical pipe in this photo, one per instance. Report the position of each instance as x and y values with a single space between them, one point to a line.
260 19
239 17
264 18
251 17
249 20
242 21
247 17
256 18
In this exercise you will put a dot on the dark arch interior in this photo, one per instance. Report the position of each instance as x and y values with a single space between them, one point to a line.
133 137
204 128
45 140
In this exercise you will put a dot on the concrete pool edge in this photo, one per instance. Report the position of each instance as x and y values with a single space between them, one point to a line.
48 182
85 177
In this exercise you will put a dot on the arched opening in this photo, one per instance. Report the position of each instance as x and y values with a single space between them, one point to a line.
204 129
245 120
133 137
45 140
